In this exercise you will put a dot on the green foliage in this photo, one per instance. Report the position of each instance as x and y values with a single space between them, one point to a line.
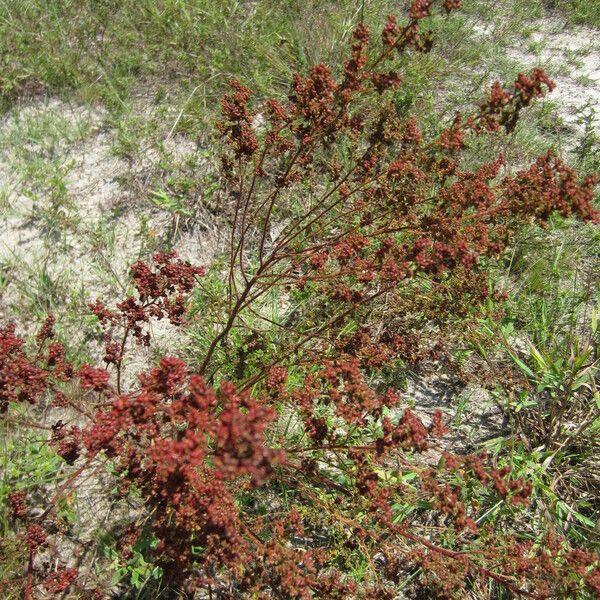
548 341
135 571
579 11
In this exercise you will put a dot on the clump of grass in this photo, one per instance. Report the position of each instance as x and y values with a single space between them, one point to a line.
585 12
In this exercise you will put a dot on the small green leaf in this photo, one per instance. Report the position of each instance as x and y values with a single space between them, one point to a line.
584 520
539 358
522 365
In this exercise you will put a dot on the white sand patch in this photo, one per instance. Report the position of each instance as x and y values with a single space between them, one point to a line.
85 226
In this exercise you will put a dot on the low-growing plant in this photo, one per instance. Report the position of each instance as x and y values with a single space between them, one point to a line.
548 383
279 462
